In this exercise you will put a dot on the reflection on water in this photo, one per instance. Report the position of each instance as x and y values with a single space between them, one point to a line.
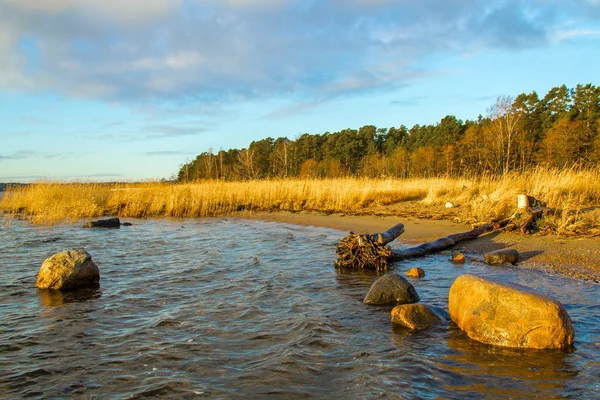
59 298
233 308
475 362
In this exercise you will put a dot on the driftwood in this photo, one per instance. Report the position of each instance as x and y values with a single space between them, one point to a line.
440 244
388 236
523 219
367 251
532 214
371 251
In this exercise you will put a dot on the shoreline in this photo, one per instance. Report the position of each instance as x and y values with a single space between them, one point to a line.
577 258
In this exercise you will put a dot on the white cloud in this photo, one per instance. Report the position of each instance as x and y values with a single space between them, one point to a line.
215 51
574 33
125 11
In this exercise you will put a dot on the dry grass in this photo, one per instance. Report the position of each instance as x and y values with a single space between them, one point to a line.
573 193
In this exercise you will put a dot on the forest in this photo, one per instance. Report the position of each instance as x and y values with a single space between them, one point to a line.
560 129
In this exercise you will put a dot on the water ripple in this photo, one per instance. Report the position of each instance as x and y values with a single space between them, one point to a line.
245 309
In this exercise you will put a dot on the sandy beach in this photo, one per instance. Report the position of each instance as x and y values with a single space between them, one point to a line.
575 257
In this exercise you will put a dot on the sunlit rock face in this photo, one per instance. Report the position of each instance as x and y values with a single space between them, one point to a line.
68 270
508 315
415 316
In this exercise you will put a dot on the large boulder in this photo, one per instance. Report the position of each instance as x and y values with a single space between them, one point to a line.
103 223
504 256
415 316
391 289
68 270
508 315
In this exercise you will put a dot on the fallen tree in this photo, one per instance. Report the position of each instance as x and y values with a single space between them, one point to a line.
372 252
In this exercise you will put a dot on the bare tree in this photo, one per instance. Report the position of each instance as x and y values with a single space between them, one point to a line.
504 129
246 164
280 166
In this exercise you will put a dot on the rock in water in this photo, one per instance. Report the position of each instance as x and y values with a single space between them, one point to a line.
391 289
508 315
103 223
415 273
415 316
68 270
458 257
503 256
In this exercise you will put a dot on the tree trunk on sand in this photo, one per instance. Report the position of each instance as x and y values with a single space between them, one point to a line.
388 236
371 251
440 244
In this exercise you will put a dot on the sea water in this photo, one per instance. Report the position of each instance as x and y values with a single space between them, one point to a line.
230 308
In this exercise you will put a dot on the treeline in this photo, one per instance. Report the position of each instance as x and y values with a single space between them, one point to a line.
560 129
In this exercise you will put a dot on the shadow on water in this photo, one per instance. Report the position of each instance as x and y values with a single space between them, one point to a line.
59 298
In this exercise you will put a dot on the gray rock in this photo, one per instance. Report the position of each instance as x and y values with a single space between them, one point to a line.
391 289
103 223
68 270
503 256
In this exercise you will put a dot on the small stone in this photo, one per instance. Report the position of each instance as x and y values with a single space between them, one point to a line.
449 204
458 257
68 270
391 289
415 316
415 272
504 256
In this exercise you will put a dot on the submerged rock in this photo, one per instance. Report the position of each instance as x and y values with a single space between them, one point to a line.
416 316
508 315
458 257
391 289
68 270
504 256
415 272
103 223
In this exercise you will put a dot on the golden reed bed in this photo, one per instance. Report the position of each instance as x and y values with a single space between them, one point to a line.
574 193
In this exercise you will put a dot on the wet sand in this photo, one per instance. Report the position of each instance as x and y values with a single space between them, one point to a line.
575 257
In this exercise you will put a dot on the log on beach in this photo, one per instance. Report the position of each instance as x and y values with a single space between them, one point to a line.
438 245
367 251
371 251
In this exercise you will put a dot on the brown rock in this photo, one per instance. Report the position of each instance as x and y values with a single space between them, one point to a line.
504 256
415 272
68 270
508 315
458 257
415 316
391 289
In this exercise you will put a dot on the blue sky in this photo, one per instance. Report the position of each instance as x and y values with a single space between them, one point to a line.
129 90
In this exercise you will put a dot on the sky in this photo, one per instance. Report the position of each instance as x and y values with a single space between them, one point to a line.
127 90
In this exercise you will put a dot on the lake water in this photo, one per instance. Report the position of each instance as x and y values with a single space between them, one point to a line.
227 308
